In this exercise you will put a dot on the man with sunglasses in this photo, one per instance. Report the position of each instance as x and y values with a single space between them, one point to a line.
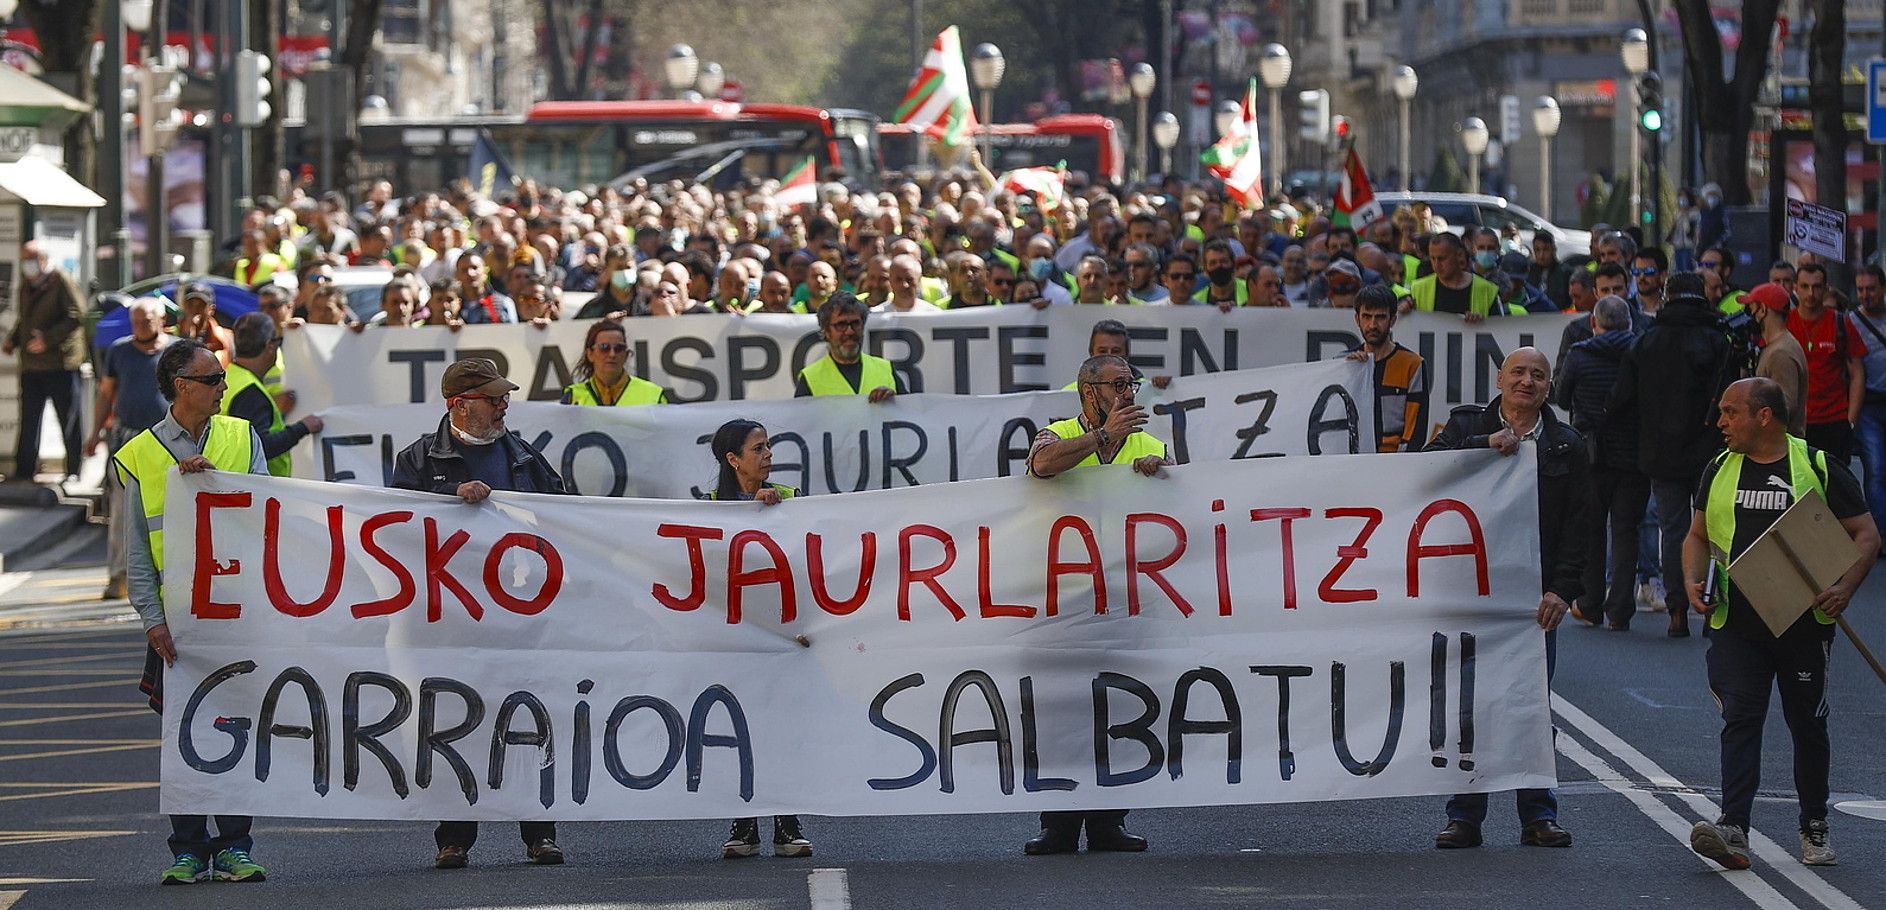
1180 277
1108 431
471 454
248 398
1647 270
193 437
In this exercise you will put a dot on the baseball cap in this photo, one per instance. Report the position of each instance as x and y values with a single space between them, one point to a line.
1343 277
1769 295
198 292
474 375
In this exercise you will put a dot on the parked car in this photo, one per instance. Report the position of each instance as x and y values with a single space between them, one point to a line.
1462 210
232 301
360 284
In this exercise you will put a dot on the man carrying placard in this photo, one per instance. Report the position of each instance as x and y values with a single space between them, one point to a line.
1743 492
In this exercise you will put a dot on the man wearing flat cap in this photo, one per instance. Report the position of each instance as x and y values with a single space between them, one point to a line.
470 455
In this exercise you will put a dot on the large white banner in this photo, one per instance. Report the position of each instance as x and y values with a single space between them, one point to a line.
985 351
847 444
1242 632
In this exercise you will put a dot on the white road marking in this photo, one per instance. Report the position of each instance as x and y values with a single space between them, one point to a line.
1864 808
8 582
829 888
9 898
1764 848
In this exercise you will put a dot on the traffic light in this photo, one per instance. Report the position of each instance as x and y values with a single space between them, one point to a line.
159 87
1650 103
1339 130
252 88
1314 111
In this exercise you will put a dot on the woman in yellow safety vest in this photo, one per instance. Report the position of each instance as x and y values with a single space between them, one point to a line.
744 453
603 378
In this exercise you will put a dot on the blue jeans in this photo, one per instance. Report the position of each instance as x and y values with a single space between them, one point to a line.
1534 805
1649 564
1673 523
1871 436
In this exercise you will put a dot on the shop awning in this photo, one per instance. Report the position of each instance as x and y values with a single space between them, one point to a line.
36 181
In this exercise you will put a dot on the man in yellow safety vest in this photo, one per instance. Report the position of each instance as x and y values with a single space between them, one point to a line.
846 369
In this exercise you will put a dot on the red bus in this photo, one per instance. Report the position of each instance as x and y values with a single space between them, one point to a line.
1089 143
575 143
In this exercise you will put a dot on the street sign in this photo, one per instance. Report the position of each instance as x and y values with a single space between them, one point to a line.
1876 101
732 91
1509 119
1201 94
1817 229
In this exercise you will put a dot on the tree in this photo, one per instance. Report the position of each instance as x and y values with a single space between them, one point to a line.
363 20
1725 108
559 24
66 30
1827 44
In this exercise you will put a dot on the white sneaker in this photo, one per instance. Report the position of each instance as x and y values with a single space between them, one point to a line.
1726 845
1815 850
1657 596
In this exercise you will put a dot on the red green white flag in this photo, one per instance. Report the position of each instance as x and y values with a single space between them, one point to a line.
1047 183
1355 199
938 99
1223 155
799 187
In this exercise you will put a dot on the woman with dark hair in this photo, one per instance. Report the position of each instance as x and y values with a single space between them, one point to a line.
745 455
603 378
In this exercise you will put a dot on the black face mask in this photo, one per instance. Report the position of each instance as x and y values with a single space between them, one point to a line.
1221 275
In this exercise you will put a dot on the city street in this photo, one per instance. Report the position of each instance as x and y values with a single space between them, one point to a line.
1637 758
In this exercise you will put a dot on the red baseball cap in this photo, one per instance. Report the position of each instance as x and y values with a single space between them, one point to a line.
1770 295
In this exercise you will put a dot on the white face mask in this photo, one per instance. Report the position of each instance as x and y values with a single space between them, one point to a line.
30 269
492 435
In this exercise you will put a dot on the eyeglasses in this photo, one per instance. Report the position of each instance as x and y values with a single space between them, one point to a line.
1121 386
209 379
500 399
847 325
1642 272
1181 276
611 348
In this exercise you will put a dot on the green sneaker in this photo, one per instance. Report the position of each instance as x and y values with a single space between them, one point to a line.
234 865
187 870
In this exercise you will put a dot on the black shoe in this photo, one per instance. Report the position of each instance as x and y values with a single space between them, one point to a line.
1113 839
787 839
545 853
451 858
1544 833
1051 841
1679 628
1458 835
743 840
1618 625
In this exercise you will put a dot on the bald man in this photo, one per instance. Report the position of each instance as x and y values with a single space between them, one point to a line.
1519 414
906 281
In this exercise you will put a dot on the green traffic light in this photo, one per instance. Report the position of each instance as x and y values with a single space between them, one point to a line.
1651 120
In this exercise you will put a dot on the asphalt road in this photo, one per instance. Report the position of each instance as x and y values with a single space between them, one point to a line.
1637 762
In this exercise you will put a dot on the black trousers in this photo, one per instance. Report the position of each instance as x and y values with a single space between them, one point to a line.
1742 673
61 387
464 834
1618 499
1069 823
191 834
1836 439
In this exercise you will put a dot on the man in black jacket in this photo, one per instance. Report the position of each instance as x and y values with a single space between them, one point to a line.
1518 414
470 455
1619 490
1668 384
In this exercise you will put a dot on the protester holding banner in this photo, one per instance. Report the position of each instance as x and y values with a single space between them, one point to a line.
246 397
603 378
1519 414
471 454
1742 493
846 369
1401 375
744 452
1106 432
193 437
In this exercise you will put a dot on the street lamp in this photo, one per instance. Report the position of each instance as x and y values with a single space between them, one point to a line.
1405 83
137 13
1225 118
1165 135
710 80
1274 69
1141 80
1635 52
8 7
986 66
681 67
1473 137
1545 122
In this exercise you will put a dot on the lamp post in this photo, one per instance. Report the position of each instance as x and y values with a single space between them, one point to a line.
1405 83
710 80
986 66
1274 70
1141 80
1165 135
1545 122
1473 137
1635 52
681 68
1225 117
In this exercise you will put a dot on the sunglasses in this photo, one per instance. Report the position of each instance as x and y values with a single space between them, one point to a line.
1642 272
611 348
1122 386
1181 276
210 379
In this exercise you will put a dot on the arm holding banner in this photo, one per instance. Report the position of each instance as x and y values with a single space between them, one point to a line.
1838 595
